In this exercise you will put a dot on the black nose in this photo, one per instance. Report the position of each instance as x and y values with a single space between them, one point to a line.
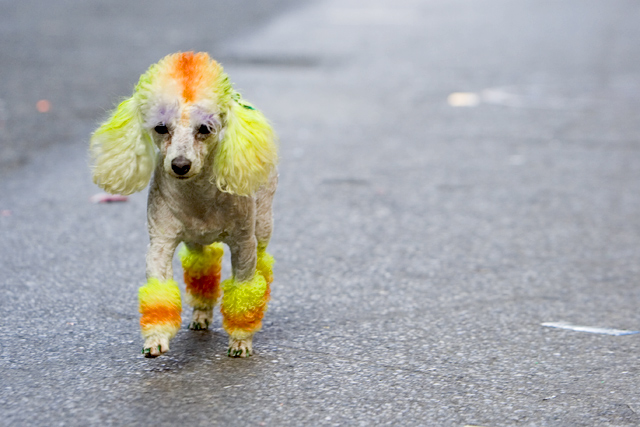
180 165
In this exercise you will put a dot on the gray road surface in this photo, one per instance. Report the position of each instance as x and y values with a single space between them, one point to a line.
420 245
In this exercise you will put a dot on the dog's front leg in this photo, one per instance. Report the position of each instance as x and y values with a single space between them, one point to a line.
160 304
245 298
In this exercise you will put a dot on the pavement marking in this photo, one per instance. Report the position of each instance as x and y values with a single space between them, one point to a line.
590 329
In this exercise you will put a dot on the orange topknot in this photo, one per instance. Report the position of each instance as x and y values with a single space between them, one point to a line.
192 70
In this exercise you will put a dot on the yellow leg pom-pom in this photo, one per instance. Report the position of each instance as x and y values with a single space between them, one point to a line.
202 275
265 265
160 308
244 305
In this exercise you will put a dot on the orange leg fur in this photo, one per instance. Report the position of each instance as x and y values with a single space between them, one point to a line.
160 309
244 305
202 267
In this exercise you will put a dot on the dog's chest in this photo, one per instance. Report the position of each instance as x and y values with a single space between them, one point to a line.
198 213
206 223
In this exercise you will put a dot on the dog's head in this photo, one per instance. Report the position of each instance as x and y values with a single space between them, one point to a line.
185 108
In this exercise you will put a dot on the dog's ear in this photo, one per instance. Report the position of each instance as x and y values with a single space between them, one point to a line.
247 154
122 152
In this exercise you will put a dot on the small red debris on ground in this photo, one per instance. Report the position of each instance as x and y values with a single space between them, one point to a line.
43 106
107 198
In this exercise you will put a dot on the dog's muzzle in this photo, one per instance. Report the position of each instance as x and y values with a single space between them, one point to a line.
181 165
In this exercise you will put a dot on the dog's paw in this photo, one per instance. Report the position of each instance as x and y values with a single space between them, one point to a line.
201 319
155 345
240 348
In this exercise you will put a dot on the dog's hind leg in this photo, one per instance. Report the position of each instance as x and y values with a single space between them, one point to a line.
202 266
160 304
264 228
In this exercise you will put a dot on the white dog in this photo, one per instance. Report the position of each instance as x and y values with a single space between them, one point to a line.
214 157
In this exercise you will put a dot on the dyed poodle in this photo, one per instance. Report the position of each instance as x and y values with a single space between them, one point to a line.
213 159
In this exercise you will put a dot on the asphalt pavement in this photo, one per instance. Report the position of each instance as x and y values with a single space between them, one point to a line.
457 221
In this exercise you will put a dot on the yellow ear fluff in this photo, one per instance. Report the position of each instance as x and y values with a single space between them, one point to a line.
122 152
247 154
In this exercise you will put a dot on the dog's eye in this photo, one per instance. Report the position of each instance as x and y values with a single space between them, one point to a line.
204 129
161 129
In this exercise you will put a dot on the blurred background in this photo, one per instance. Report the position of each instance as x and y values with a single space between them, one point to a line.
457 221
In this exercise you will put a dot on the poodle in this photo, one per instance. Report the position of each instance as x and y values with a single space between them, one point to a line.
213 159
